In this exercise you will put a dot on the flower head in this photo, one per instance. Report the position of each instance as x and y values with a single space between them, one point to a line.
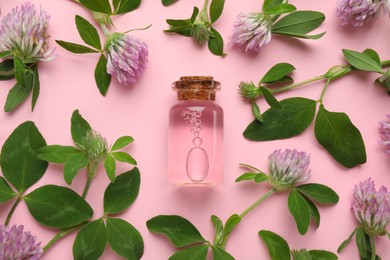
24 32
199 32
248 90
371 207
127 57
252 30
287 168
356 12
95 146
384 132
17 244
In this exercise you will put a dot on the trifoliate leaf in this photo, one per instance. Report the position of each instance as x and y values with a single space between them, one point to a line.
91 241
191 253
362 61
278 248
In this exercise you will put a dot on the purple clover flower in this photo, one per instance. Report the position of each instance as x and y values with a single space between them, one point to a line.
357 12
371 207
127 57
288 168
384 133
17 244
24 32
252 30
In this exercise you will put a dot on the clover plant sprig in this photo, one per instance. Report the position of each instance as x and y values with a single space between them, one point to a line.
200 26
290 117
287 170
121 55
90 150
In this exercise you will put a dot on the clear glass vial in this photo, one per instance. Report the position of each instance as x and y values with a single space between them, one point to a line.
196 133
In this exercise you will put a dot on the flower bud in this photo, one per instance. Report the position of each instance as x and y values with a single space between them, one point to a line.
95 146
102 18
200 32
302 254
337 71
248 91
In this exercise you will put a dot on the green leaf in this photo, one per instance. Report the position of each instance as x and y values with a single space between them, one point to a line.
57 153
19 162
319 192
194 14
246 177
336 133
267 4
216 8
179 230
345 242
260 177
100 6
388 234
218 227
91 241
315 214
5 54
75 48
73 165
361 61
299 22
322 255
231 223
20 71
126 6
303 36
122 193
185 31
363 244
281 9
6 192
220 254
277 247
168 2
7 70
36 88
216 43
256 112
294 117
79 128
58 207
277 72
124 239
178 23
102 78
110 166
374 55
300 210
122 142
16 96
191 253
124 157
88 32
269 97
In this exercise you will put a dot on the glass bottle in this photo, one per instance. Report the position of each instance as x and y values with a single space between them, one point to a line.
196 133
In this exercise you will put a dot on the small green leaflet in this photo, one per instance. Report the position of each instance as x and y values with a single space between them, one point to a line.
125 6
57 153
7 70
322 254
269 4
281 9
168 2
179 230
231 223
191 253
345 242
91 241
336 133
218 228
79 128
315 214
277 72
220 254
102 78
256 111
100 6
6 192
75 48
73 165
121 142
269 98
215 43
16 96
257 177
216 8
362 60
319 192
300 211
124 157
277 247
110 167
374 55
88 32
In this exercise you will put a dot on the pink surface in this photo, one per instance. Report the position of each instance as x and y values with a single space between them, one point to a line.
67 83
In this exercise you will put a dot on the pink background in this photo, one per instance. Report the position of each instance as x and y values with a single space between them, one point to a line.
141 111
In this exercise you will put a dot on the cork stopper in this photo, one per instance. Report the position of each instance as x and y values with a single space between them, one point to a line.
196 88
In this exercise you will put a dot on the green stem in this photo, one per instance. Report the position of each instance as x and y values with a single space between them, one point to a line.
324 90
91 173
385 63
205 5
11 212
373 248
104 29
139 29
298 84
60 235
257 202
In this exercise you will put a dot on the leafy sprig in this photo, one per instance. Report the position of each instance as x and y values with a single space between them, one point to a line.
200 26
279 249
290 117
89 151
60 207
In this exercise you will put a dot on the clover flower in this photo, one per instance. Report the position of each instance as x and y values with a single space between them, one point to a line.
16 244
127 57
287 168
371 207
384 132
24 32
248 90
95 146
357 12
252 30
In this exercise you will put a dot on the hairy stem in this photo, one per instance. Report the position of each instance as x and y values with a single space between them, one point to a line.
324 90
92 167
11 212
60 235
298 84
373 248
256 203
104 29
